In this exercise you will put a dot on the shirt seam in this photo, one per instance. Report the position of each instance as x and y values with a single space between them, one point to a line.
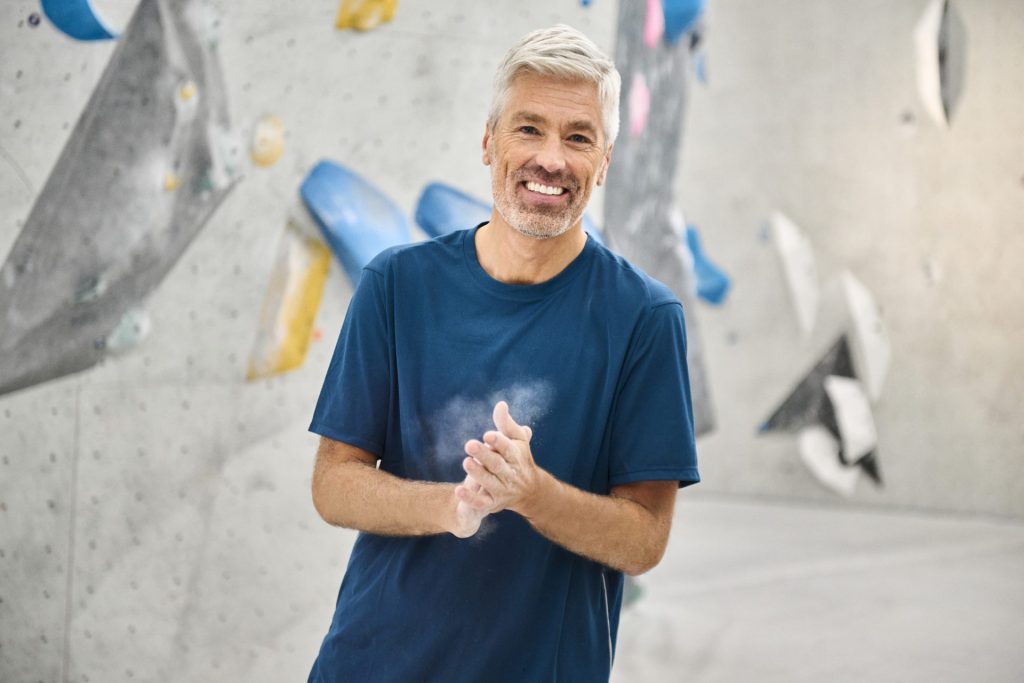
670 468
630 271
493 287
664 303
350 439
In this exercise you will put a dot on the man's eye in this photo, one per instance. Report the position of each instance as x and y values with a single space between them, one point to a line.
529 130
581 139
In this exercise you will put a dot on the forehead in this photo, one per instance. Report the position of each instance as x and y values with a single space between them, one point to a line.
555 99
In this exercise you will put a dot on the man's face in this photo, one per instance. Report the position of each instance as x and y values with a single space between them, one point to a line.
546 153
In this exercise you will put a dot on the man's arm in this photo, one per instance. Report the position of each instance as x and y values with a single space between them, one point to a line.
349 491
626 530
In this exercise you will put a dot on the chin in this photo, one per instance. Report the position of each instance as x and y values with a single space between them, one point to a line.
547 228
533 224
540 232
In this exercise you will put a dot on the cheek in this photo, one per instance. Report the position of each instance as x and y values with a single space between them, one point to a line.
509 169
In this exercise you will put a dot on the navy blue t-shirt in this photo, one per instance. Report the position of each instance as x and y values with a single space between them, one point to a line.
593 360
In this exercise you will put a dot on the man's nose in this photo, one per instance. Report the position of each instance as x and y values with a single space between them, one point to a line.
551 156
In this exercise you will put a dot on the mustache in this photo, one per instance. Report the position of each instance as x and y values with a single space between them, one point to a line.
538 174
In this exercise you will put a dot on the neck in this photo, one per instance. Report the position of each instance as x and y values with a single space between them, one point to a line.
513 258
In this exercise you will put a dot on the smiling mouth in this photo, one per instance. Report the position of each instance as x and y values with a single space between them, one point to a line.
540 188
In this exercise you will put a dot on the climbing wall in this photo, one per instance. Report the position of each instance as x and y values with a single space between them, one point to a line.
858 171
640 199
834 189
155 518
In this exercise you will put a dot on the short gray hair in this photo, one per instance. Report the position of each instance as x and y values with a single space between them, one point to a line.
563 52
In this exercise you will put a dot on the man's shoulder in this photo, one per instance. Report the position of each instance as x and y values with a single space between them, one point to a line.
632 282
403 257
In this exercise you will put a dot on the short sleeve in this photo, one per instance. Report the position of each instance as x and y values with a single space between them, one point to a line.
652 435
353 403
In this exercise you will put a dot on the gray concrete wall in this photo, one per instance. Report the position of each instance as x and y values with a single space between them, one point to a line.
155 519
812 110
155 522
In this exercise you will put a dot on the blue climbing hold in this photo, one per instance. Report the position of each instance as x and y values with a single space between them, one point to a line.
680 17
357 220
442 209
77 19
712 283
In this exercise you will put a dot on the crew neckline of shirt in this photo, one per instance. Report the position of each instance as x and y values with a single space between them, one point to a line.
522 292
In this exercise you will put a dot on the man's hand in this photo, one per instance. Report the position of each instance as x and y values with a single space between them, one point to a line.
503 465
468 517
626 529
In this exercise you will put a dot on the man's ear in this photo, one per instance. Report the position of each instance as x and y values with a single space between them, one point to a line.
604 165
485 143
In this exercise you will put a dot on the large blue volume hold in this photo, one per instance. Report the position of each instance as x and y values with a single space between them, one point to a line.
357 220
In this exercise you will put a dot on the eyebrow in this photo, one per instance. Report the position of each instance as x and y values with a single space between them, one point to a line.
582 125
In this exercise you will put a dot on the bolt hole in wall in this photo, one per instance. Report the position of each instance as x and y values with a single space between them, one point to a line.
189 190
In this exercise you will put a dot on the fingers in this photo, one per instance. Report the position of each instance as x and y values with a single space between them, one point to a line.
489 482
478 499
487 466
504 446
507 426
499 458
470 483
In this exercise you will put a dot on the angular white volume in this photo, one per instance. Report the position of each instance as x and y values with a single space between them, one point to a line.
801 270
871 349
853 415
926 52
819 451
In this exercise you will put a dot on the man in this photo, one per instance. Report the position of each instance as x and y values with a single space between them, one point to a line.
495 540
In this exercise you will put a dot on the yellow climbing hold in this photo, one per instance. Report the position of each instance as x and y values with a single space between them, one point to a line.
171 182
187 91
363 15
290 306
267 141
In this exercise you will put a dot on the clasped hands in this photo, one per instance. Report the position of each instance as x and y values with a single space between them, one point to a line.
500 473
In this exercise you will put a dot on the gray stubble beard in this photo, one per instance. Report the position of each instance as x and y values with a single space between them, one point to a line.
523 226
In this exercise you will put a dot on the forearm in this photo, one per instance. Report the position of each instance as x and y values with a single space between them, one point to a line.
358 496
614 531
626 530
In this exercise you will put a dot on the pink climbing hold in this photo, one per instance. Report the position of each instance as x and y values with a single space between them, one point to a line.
654 24
639 105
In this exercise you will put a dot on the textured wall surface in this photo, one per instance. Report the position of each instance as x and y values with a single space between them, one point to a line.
640 192
136 181
155 521
812 109
176 492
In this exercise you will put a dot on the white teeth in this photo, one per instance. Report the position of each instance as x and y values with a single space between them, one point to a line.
544 189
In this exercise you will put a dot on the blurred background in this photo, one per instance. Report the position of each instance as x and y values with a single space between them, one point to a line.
834 189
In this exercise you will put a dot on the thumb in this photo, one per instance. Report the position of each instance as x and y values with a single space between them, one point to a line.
507 426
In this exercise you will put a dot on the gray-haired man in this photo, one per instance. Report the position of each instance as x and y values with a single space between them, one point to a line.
502 558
